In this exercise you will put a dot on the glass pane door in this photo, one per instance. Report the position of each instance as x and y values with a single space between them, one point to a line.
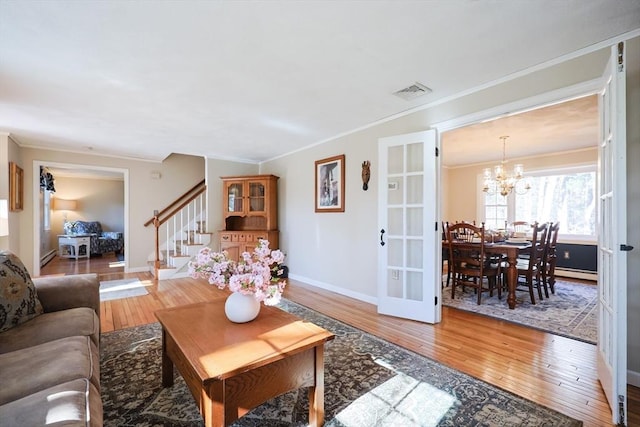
407 242
256 197
235 197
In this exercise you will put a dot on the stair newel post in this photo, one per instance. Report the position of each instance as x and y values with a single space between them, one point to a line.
156 224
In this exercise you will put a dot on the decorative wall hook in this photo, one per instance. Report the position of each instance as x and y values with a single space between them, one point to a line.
366 174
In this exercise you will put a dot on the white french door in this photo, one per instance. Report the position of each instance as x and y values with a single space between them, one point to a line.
408 253
612 229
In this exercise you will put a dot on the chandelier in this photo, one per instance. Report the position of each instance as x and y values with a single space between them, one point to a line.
500 181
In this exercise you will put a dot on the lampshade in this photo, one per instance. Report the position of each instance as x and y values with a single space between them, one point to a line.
4 217
65 205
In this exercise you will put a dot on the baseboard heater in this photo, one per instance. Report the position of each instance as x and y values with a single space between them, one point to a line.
576 274
47 257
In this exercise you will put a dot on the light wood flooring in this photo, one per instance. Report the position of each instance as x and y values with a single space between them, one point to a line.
553 371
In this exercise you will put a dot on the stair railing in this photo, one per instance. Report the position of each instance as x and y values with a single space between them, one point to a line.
187 212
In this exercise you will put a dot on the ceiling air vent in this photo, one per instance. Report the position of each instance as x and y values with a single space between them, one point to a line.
412 92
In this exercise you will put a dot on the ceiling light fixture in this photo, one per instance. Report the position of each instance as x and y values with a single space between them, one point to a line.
499 181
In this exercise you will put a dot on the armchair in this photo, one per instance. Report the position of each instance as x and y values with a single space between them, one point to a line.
101 241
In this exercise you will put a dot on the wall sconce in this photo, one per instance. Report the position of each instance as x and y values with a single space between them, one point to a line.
65 205
4 217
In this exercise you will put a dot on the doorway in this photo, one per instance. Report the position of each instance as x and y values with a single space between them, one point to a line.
97 194
557 136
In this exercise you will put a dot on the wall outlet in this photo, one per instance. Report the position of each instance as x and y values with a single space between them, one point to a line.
566 255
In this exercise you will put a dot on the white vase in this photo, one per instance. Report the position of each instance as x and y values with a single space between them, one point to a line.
241 308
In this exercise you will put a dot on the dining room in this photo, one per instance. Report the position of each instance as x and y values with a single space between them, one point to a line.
540 167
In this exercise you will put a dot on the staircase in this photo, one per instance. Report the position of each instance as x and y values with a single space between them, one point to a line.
180 232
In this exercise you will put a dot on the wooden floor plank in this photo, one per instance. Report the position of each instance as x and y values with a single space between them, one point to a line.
550 370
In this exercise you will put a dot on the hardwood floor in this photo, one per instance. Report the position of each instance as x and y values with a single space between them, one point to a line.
553 371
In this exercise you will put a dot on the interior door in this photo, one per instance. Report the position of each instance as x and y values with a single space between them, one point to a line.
612 226
408 278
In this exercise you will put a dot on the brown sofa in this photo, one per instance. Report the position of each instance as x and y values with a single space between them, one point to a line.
50 363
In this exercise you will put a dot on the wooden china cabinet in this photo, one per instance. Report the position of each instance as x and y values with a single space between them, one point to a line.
250 211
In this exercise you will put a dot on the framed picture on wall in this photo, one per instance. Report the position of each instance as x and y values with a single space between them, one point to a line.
16 187
330 184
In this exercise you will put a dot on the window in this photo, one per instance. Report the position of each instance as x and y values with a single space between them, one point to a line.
565 195
496 209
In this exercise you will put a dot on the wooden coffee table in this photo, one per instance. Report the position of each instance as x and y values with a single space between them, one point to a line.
231 368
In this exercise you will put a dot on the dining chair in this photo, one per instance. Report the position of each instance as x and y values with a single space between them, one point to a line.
550 259
520 227
445 252
530 270
469 263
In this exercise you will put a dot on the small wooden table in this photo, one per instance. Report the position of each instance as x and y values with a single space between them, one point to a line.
231 368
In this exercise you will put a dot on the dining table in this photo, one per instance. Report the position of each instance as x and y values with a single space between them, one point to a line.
510 250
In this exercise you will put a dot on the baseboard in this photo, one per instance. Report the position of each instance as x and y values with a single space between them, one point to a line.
576 274
47 257
137 269
633 378
336 289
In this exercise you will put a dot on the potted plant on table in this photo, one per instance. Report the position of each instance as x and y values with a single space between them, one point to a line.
253 279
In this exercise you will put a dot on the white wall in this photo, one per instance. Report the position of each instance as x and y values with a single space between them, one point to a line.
338 251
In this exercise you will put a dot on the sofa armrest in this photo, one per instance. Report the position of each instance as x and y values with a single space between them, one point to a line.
111 235
63 292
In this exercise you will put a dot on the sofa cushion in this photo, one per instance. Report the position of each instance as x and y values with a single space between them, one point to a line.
81 321
18 297
32 369
74 403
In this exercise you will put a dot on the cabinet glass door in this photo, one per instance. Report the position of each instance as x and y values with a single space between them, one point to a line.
235 197
256 196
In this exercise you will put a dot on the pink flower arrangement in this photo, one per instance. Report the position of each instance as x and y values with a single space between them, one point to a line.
255 274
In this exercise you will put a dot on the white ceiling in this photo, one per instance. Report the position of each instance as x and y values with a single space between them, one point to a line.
256 80
571 125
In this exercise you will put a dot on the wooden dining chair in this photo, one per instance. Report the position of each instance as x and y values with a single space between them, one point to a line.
530 270
469 263
550 259
445 252
520 227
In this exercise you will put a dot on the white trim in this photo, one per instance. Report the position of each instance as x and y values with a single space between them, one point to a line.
576 274
520 106
335 289
633 378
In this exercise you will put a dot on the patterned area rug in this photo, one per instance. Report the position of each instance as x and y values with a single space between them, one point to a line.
368 382
570 312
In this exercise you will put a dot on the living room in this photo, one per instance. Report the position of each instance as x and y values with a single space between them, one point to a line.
317 245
